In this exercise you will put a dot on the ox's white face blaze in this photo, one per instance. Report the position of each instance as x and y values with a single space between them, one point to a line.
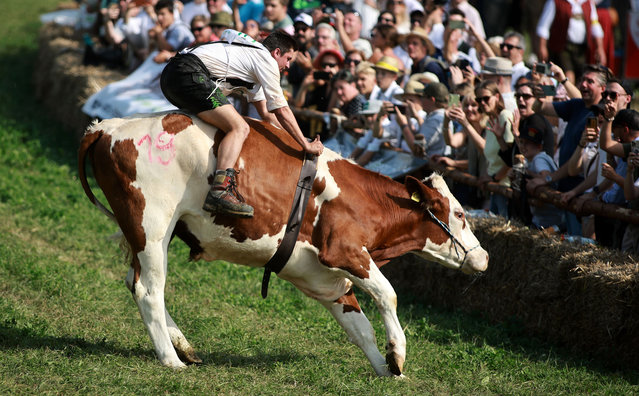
445 253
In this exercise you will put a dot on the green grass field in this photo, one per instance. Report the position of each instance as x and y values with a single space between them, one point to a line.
69 326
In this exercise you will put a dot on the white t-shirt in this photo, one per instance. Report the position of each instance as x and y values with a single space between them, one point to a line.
250 64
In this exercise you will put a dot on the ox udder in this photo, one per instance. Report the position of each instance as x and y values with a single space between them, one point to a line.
154 169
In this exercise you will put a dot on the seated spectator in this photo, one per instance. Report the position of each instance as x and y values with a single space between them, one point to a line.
366 81
276 12
499 126
112 49
202 30
539 164
350 100
139 19
170 35
430 137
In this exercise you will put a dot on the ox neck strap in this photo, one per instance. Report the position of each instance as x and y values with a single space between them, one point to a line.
302 194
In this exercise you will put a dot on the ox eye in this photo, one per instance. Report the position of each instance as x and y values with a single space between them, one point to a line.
459 214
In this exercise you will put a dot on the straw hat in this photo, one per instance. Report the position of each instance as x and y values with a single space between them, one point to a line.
421 34
388 63
424 78
221 18
413 87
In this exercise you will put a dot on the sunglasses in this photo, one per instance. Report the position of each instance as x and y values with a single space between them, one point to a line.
611 94
197 29
301 28
326 64
524 96
483 99
509 46
381 20
349 61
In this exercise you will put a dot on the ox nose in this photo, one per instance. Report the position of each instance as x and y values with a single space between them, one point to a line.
477 261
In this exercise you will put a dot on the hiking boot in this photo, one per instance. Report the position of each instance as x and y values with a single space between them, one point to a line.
224 197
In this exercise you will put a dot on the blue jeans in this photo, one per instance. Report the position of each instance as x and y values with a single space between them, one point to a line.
573 225
499 205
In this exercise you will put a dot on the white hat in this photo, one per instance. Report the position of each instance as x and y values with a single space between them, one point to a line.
497 65
305 19
371 107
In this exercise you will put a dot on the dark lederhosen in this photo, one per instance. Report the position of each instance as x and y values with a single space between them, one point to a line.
188 85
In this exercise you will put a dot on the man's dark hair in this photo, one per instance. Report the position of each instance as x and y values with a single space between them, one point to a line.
163 4
344 75
623 83
280 39
627 118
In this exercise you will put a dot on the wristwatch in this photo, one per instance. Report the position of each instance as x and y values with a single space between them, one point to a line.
548 179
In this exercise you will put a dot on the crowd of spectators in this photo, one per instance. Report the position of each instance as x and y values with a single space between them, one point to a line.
515 93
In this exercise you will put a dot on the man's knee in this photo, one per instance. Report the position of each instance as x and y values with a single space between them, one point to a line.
242 129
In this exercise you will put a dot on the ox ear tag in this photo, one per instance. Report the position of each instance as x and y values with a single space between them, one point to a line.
415 197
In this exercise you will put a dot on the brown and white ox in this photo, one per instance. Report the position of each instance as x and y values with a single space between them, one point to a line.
154 170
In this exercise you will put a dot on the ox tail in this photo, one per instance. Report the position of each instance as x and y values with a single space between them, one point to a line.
86 144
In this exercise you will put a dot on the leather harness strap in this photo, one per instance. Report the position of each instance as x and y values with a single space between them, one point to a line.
302 194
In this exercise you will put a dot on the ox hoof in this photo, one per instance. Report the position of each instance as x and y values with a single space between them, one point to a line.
189 357
395 363
175 365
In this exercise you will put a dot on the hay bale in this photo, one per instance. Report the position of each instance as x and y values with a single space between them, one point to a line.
579 296
62 82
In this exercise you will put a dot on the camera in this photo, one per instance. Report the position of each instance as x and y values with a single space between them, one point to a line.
321 75
634 146
591 122
543 68
549 90
453 100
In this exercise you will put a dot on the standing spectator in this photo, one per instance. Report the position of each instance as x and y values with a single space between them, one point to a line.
220 21
473 16
564 31
245 10
434 102
491 103
387 70
630 242
366 81
325 37
500 70
303 65
513 47
419 49
434 24
539 164
276 12
351 101
201 30
349 28
352 59
170 34
315 91
193 8
139 19
402 18
456 25
575 112
384 38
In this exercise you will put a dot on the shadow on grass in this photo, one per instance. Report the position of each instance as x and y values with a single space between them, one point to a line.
21 338
12 337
